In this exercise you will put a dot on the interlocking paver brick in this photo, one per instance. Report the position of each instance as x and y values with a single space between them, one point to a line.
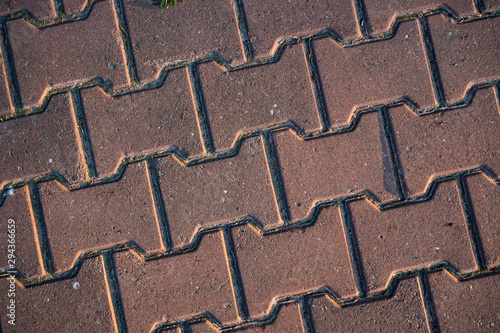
192 29
17 207
4 96
441 143
465 53
402 312
143 121
293 262
99 216
471 306
421 234
485 199
287 320
490 5
41 143
177 287
62 53
205 194
270 21
40 9
370 73
381 13
334 165
258 96
74 6
78 304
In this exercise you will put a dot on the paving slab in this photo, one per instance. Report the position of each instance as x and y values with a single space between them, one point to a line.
249 166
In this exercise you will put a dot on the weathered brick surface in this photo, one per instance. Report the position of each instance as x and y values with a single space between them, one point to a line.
485 199
100 216
17 206
41 143
73 6
258 96
421 234
334 165
176 287
465 53
444 142
139 122
78 304
40 9
192 29
271 21
470 306
403 312
370 73
381 13
62 53
4 97
490 5
210 193
293 262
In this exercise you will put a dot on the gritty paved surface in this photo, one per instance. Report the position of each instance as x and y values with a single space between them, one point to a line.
251 166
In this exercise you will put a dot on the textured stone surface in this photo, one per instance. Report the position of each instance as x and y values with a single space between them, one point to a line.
41 143
210 193
79 304
271 21
4 97
369 73
258 96
381 13
444 142
334 165
40 9
61 53
421 234
465 53
174 287
17 207
470 306
191 29
140 122
403 312
98 217
293 262
485 199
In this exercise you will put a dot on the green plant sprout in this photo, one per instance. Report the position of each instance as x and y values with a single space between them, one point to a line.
164 3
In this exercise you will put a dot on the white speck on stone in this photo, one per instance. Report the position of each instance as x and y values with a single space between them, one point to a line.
76 285
275 105
437 249
272 112
225 191
50 160
471 287
449 34
406 36
47 299
10 191
223 200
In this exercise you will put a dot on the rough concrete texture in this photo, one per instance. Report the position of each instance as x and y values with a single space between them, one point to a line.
249 166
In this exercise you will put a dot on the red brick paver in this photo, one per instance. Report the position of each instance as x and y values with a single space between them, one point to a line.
248 166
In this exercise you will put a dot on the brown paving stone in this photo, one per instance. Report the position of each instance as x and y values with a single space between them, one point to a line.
334 165
471 306
40 9
4 97
270 21
40 143
288 320
485 199
491 5
381 13
99 216
143 121
371 73
74 6
191 29
17 207
403 312
293 262
177 287
441 143
203 195
62 53
465 53
420 234
258 96
79 304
